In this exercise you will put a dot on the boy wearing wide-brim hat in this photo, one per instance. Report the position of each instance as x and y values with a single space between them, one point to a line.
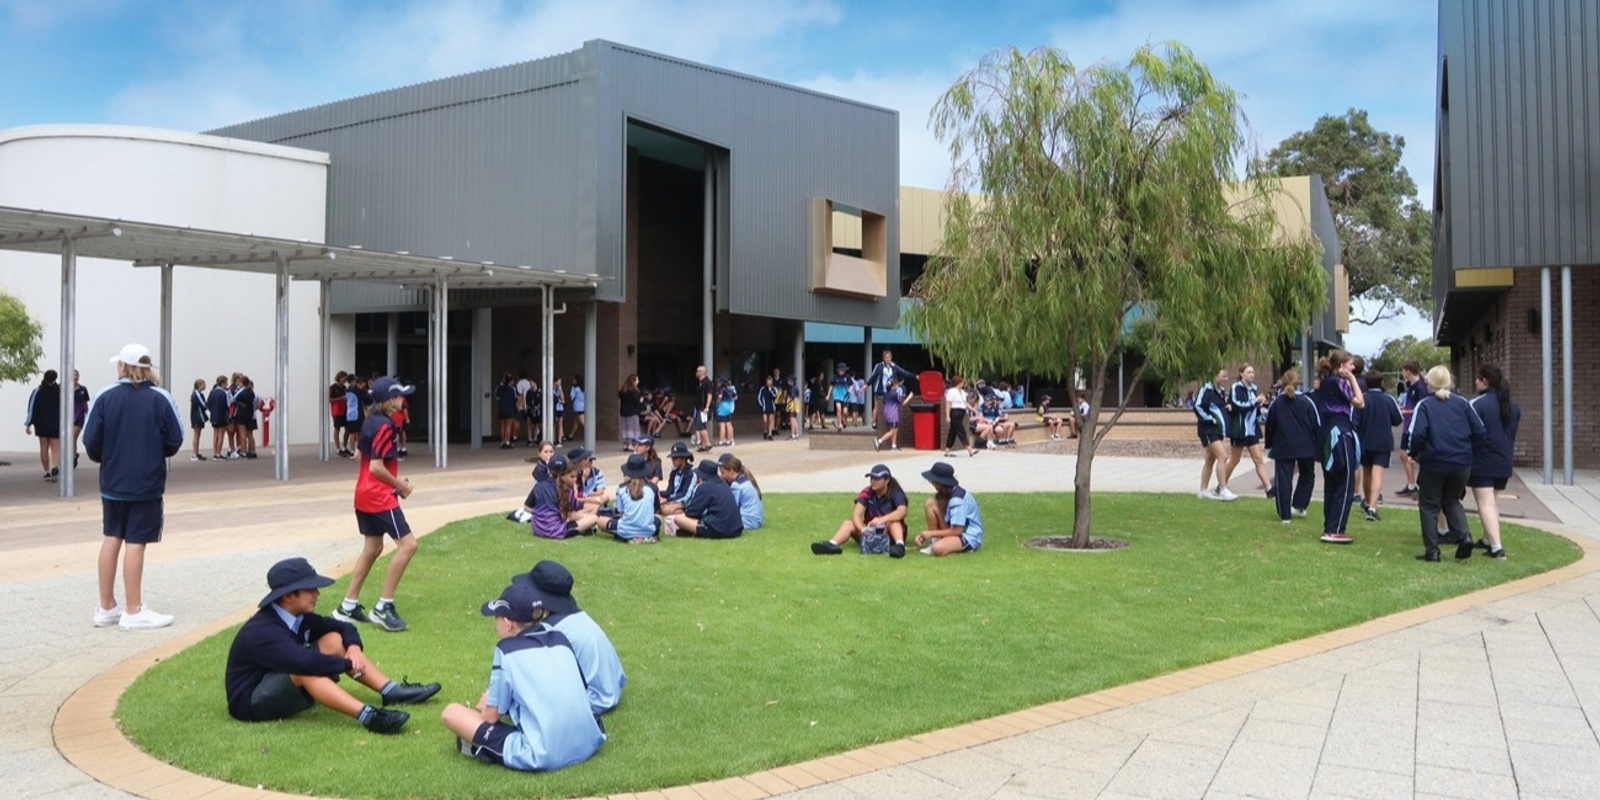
953 523
681 480
535 714
711 511
597 657
288 657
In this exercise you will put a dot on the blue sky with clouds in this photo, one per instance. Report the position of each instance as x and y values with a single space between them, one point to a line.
198 64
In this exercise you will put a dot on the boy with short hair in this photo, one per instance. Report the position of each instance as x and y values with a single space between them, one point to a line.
535 715
379 491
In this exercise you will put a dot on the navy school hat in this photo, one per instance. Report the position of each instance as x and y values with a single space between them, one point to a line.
680 450
387 388
291 575
552 586
646 439
637 466
557 464
942 474
879 471
579 454
707 468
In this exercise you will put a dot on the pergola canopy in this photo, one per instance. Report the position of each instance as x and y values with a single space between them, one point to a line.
146 244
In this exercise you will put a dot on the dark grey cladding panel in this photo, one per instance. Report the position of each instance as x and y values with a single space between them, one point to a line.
492 166
1518 123
784 146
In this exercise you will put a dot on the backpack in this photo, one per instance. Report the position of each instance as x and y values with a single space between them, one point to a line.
874 541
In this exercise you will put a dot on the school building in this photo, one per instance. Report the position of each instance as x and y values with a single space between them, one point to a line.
1516 270
597 213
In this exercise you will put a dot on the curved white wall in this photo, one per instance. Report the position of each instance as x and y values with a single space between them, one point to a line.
222 321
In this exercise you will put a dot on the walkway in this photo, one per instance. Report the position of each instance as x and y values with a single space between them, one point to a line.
1486 696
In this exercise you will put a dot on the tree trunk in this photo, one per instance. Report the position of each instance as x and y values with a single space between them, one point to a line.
1082 500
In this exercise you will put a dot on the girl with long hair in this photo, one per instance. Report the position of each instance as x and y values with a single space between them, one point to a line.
752 513
879 509
1211 424
1491 464
1245 403
44 421
956 405
1337 395
951 515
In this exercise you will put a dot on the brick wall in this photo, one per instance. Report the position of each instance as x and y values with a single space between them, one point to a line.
1502 336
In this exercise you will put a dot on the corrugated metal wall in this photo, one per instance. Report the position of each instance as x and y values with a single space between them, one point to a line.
491 166
1519 125
525 164
784 146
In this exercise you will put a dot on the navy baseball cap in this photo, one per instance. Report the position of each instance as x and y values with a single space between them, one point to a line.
879 471
518 603
387 388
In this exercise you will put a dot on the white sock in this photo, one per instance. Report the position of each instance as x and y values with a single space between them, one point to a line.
385 602
349 605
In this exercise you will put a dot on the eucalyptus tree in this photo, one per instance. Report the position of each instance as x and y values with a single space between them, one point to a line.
1081 199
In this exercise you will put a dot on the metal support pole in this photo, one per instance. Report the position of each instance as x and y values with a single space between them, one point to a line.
482 374
1548 368
441 454
800 367
280 451
69 355
1566 375
391 345
708 267
435 374
324 361
547 359
591 344
164 348
866 370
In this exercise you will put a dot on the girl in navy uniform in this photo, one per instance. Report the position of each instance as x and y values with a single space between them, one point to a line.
1245 403
1291 438
1211 415
505 406
217 407
1491 466
681 479
1412 390
767 402
840 395
558 415
1375 429
44 421
1444 437
1337 396
197 415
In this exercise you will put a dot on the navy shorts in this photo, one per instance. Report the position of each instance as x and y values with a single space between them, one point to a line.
1207 438
1481 482
1244 441
1375 458
380 523
724 417
699 420
489 742
132 521
276 697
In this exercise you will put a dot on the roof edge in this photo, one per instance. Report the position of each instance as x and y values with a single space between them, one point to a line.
162 135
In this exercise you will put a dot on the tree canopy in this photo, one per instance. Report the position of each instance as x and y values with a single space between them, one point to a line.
1079 196
1396 352
1386 234
20 337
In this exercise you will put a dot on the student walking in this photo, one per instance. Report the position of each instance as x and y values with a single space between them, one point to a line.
956 406
1245 403
1444 438
1291 437
44 421
1491 464
1375 430
1337 396
379 490
133 427
1211 423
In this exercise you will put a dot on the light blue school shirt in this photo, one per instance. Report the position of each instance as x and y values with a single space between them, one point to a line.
962 512
536 685
751 512
597 659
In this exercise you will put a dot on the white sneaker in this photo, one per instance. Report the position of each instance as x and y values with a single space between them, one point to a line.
1297 513
1226 494
1207 494
105 619
927 551
147 619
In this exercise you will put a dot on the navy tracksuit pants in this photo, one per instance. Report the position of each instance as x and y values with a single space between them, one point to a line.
1338 475
1283 472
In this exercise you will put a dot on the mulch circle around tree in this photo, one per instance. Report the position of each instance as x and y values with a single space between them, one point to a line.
1097 544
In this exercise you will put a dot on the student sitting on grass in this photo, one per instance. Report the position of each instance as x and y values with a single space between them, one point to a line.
951 515
535 715
646 446
711 512
879 519
288 658
633 517
745 490
680 481
597 657
588 480
550 502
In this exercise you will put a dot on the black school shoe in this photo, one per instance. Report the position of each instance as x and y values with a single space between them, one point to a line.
383 720
1431 556
825 549
406 693
897 550
1464 550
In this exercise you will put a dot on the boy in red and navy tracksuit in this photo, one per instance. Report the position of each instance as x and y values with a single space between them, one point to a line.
379 491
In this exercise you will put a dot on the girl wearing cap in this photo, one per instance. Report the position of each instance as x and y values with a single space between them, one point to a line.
646 446
880 506
548 505
745 490
635 519
680 481
951 514
727 396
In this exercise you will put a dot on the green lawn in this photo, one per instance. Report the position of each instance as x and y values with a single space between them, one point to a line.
752 653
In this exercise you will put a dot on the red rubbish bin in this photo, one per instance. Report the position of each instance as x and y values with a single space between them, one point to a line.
925 427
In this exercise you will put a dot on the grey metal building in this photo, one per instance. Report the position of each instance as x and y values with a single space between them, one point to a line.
1517 172
705 201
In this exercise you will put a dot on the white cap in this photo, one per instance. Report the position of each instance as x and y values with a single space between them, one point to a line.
134 355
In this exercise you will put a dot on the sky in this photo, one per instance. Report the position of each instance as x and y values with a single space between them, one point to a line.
198 64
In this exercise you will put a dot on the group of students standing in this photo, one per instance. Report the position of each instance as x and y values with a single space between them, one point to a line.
519 406
230 409
1346 424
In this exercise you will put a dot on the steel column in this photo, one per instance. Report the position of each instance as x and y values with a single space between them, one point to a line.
1548 373
1567 414
591 344
69 356
280 451
324 362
